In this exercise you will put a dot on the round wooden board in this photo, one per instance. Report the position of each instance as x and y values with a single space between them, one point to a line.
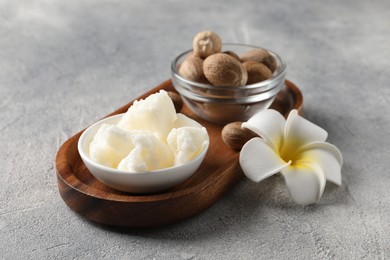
220 170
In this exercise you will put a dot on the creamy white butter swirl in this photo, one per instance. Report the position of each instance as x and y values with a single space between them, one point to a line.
150 136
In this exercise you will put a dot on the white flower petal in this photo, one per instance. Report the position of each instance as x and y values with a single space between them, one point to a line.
327 156
269 124
305 182
299 131
259 161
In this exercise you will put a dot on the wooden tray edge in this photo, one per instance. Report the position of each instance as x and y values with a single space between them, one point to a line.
107 208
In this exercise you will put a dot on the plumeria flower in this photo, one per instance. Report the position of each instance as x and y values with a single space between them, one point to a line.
294 147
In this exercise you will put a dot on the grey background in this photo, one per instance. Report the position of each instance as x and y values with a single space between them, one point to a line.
65 64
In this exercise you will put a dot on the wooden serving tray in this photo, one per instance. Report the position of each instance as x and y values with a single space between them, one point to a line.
220 170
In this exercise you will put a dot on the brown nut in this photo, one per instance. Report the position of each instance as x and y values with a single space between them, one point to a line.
192 69
235 136
206 43
176 99
233 54
260 55
223 70
257 72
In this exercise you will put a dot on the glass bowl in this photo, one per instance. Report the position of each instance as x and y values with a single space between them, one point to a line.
224 104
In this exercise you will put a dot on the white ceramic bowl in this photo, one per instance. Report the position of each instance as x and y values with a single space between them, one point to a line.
135 182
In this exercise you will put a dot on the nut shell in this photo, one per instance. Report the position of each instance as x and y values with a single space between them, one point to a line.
176 99
206 43
235 136
192 69
257 72
233 54
261 56
222 69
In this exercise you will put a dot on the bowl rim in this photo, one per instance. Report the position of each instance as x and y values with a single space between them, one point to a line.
84 155
264 83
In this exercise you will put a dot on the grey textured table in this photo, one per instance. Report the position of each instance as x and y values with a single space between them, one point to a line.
65 64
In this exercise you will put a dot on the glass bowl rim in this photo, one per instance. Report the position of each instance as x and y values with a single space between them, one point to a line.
279 76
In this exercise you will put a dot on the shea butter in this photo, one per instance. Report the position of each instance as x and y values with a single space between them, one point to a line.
150 136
